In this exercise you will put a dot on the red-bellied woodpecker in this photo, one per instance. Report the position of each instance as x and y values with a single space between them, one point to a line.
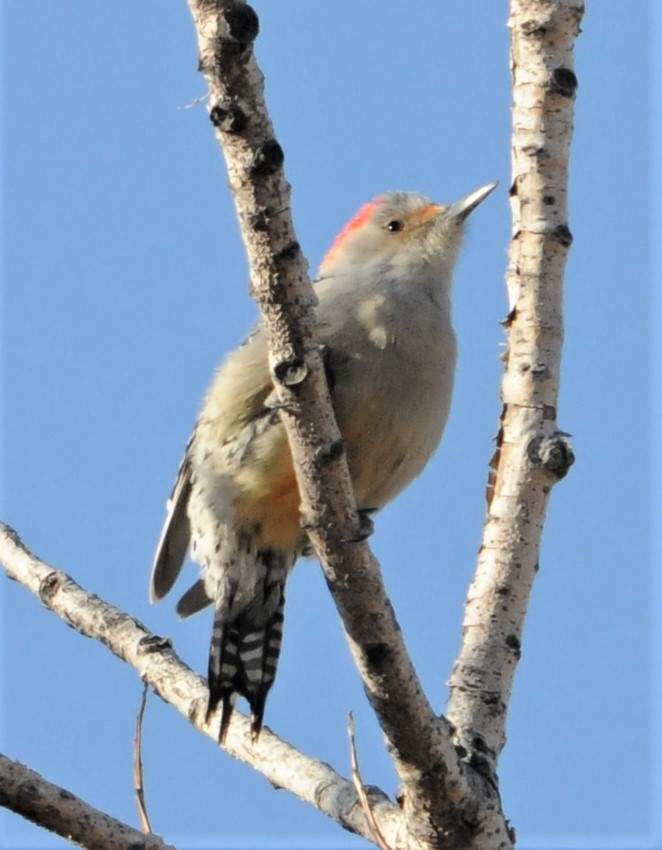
384 319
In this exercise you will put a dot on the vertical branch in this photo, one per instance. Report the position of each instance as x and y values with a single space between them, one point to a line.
531 453
419 741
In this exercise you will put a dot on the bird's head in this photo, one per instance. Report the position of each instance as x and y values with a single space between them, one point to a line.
402 234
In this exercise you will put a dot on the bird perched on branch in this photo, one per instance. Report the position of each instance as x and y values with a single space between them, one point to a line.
384 319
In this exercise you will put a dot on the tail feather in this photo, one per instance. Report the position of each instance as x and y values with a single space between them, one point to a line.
258 657
194 600
176 535
223 664
244 650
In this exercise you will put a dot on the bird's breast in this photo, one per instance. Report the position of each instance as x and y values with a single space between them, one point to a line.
392 396
391 365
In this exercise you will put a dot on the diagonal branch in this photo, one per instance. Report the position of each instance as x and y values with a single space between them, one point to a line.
532 455
30 795
157 664
436 783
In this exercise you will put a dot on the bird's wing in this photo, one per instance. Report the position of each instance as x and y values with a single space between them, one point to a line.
176 534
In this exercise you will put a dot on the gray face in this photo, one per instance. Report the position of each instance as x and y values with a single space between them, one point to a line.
396 228
403 231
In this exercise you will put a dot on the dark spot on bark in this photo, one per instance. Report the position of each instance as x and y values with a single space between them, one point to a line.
513 642
268 158
259 222
480 763
49 586
562 234
239 24
289 252
461 751
334 450
564 82
549 200
553 453
229 119
154 643
479 744
378 654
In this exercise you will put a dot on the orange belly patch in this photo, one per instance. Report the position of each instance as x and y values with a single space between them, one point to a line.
270 502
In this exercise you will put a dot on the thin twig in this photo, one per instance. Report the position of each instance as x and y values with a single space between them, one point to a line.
195 102
360 787
138 779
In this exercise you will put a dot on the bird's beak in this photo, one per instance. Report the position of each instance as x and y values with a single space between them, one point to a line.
462 208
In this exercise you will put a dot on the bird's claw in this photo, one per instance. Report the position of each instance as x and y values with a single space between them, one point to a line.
366 526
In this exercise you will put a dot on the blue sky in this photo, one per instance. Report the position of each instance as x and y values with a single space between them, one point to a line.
124 284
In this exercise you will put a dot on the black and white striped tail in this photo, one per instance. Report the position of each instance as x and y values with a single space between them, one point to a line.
244 651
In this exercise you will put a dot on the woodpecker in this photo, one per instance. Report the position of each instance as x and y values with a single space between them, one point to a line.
384 320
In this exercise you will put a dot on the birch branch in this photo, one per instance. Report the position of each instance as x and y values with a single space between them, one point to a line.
532 454
157 664
28 794
436 783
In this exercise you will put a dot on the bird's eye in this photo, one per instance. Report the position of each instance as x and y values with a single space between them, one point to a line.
395 226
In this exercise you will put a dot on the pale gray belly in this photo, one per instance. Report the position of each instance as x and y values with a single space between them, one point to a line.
392 414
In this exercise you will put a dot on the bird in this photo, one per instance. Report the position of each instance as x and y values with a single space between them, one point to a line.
383 320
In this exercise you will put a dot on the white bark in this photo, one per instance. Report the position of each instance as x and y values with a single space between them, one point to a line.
28 794
532 455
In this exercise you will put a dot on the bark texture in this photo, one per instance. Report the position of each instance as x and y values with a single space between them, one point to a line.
28 794
532 454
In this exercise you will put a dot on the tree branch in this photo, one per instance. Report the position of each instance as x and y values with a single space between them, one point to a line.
532 455
28 794
436 783
158 665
